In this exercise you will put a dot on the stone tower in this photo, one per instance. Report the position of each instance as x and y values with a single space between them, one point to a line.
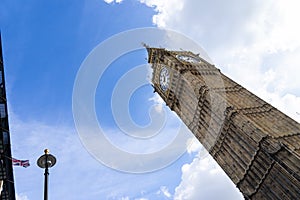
256 145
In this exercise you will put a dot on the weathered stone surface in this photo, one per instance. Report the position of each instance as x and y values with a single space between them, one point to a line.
256 145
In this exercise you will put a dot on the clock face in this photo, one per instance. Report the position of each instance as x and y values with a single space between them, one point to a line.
164 79
189 59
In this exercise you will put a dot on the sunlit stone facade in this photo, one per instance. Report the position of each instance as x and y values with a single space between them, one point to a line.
256 145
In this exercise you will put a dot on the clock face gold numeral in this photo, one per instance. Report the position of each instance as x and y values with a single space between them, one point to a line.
189 59
164 79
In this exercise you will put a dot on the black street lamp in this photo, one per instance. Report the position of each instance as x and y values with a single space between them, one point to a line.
46 161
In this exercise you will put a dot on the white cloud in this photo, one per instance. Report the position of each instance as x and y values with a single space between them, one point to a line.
21 197
193 145
204 179
158 102
164 10
109 1
165 191
112 1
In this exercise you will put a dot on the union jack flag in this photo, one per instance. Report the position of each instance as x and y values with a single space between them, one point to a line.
23 163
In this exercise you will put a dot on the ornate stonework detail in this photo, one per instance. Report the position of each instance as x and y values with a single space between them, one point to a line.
229 113
271 146
235 88
256 110
257 146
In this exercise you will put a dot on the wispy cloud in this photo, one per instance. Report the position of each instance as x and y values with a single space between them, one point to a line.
75 165
158 102
21 197
193 145
113 1
165 191
204 179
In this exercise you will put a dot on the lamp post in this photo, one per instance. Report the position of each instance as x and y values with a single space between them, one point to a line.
46 161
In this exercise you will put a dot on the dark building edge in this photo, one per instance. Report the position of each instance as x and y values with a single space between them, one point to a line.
6 168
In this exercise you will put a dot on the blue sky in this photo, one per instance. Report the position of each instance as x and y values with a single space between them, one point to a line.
45 44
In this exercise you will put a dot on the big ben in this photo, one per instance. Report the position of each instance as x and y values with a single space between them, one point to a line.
256 145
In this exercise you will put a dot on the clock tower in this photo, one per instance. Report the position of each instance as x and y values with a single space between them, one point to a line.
256 145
